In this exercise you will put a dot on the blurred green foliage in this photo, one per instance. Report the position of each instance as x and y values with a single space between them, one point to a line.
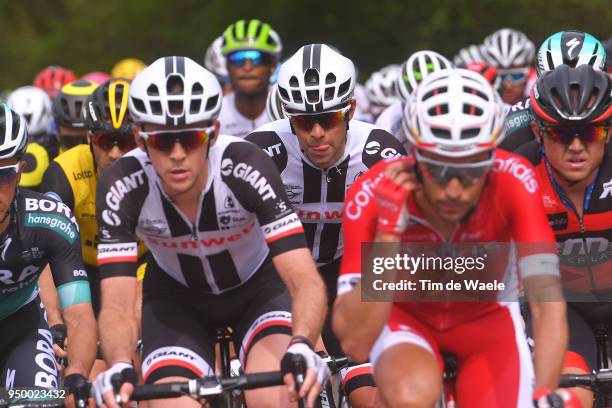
87 35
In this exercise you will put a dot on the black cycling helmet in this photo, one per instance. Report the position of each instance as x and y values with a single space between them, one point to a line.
608 46
68 104
572 96
106 109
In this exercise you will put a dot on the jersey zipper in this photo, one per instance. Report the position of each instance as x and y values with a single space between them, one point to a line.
316 250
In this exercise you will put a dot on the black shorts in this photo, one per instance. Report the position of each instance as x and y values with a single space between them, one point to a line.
26 353
179 325
581 319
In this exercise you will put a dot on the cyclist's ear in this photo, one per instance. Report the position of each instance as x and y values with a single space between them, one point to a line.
217 126
353 103
535 128
137 137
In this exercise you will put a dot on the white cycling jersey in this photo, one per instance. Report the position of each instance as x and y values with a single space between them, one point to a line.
391 120
243 218
234 123
316 194
362 110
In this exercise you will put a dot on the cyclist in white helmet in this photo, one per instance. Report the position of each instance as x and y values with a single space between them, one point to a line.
468 55
412 72
274 106
457 188
381 89
320 150
226 247
252 50
512 53
35 106
214 61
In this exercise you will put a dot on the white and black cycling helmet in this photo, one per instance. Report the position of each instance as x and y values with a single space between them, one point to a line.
274 105
214 61
416 68
315 79
175 91
13 133
454 113
35 106
381 86
572 48
508 48
468 55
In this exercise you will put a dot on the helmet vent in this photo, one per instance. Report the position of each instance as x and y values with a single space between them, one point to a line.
476 92
152 90
441 133
297 97
211 103
28 117
472 110
438 110
344 88
156 108
283 93
139 105
470 133
293 81
174 85
311 77
175 107
330 79
329 93
312 96
197 89
194 106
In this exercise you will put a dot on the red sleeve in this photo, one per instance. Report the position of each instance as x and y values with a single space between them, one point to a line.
359 225
521 195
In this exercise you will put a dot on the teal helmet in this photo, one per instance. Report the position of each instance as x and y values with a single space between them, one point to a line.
571 48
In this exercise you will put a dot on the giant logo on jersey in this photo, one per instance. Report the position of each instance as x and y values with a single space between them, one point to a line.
380 145
250 175
521 171
117 192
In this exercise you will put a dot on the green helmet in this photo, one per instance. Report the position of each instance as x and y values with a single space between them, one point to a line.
251 35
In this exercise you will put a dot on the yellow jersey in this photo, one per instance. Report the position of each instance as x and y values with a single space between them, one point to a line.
72 177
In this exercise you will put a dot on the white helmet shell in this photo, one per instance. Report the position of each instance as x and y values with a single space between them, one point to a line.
418 66
214 61
175 91
468 55
35 106
13 133
315 79
380 87
508 48
274 105
454 113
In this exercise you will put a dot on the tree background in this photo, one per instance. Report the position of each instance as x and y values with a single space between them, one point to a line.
89 35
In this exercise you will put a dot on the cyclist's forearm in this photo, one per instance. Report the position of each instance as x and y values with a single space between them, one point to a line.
48 295
309 308
550 337
82 335
358 324
117 335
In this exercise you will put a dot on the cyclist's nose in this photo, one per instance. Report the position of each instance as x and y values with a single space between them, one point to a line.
454 189
178 152
114 153
317 131
576 144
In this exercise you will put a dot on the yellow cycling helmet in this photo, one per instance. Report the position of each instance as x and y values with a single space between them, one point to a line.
128 68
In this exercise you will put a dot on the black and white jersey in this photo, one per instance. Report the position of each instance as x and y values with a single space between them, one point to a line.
243 218
316 194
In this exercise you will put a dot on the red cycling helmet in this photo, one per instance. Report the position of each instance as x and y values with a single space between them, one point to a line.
487 71
97 76
52 78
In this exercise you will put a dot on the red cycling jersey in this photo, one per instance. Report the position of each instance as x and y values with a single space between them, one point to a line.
509 209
